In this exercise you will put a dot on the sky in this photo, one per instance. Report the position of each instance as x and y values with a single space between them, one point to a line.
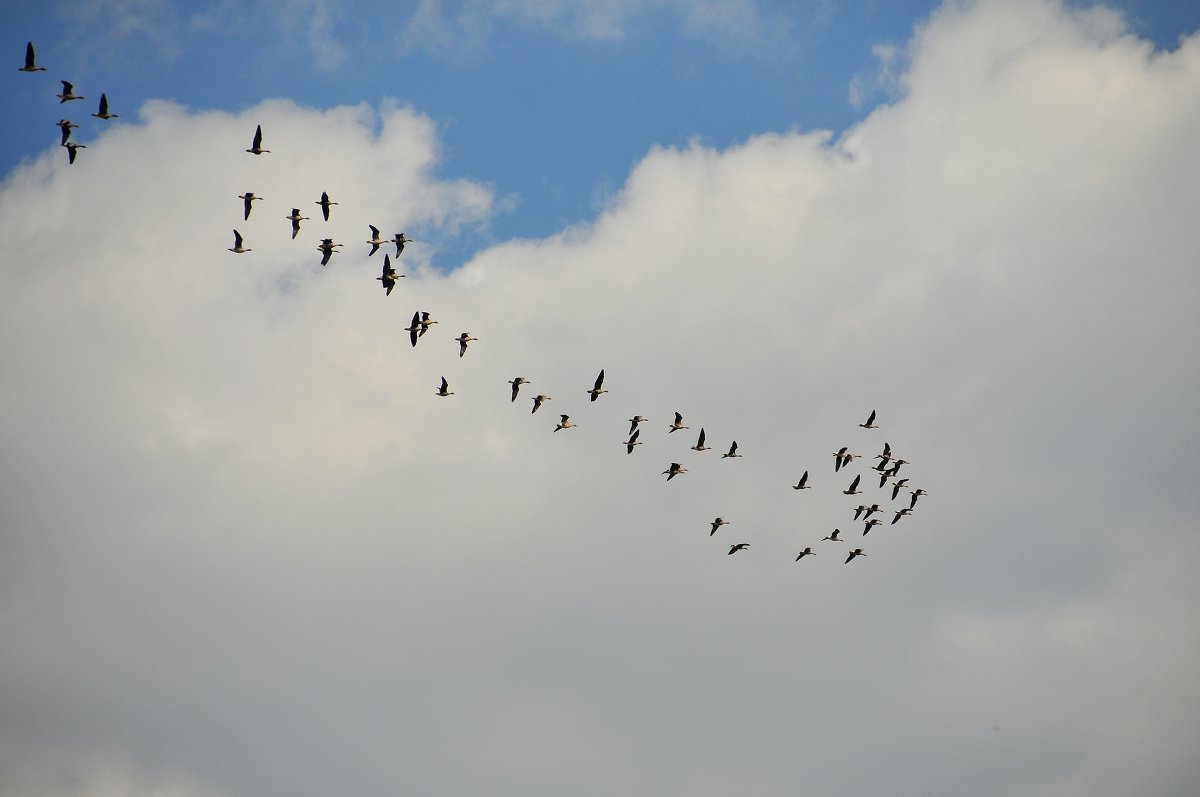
248 551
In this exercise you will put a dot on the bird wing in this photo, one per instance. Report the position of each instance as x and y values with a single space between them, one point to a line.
854 484
103 104
29 60
599 380
237 240
257 138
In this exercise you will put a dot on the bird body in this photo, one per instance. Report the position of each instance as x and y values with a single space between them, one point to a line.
516 386
854 553
834 536
803 483
30 61
700 442
596 389
870 523
537 400
237 244
256 144
870 421
899 514
463 340
674 471
400 241
247 202
325 203
853 487
389 276
71 147
675 427
375 241
68 93
716 524
414 329
295 218
741 546
426 322
444 388
634 421
806 552
732 452
327 247
632 441
66 125
564 423
103 113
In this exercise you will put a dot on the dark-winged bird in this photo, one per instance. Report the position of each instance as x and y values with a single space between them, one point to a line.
30 61
325 203
596 389
256 144
389 276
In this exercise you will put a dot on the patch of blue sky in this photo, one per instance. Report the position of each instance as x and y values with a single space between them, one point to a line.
549 108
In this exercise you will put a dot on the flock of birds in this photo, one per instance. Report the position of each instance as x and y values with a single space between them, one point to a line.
887 469
68 94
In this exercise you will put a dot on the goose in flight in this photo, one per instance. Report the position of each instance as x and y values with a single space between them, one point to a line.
596 389
718 523
426 322
674 471
870 524
295 218
326 247
675 427
400 241
634 421
389 276
896 487
834 536
859 510
803 483
247 202
325 203
71 147
103 113
870 424
256 144
565 423
806 552
741 546
237 244
837 458
516 386
854 553
444 389
632 441
871 510
899 514
30 61
915 495
732 452
853 487
414 329
68 93
66 125
700 442
375 241
537 402
462 339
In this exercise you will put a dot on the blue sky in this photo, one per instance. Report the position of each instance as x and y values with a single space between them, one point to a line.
551 108
245 549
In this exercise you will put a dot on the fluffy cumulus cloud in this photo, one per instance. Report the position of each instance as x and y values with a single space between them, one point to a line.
247 550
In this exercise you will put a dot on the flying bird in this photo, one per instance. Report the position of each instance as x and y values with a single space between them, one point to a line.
675 427
103 112
741 546
674 471
462 339
896 487
700 442
871 523
718 523
537 400
71 147
30 61
414 329
853 487
596 389
854 553
565 423
516 385
325 203
237 243
834 536
426 322
806 552
634 421
66 126
915 495
390 276
247 202
632 441
326 247
837 458
870 421
400 241
256 145
803 483
444 389
859 510
732 452
296 218
375 241
68 93
899 514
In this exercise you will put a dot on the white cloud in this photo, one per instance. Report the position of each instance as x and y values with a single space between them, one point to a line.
248 551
